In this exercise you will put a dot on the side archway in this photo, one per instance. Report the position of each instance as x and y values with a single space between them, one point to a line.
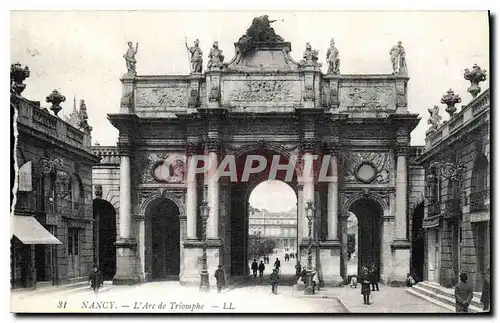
104 237
163 238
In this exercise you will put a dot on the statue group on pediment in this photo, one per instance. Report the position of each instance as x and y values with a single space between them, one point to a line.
261 32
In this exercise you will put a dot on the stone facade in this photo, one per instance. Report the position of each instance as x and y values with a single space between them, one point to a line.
262 102
457 213
278 226
55 187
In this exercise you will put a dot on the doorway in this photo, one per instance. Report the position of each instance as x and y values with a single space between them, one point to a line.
164 230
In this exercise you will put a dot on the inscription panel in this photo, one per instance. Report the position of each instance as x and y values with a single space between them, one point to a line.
175 96
367 97
262 92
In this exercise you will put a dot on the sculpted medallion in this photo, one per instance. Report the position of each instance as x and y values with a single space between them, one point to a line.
162 168
366 167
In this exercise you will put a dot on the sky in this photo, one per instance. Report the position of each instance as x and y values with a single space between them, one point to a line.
80 53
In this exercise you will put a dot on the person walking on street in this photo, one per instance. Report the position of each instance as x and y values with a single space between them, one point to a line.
219 277
463 294
277 264
485 293
261 269
254 268
95 278
298 270
365 285
374 277
274 281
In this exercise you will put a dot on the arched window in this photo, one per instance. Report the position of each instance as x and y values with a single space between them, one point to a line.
479 183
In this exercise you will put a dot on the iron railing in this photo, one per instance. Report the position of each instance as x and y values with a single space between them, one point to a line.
30 202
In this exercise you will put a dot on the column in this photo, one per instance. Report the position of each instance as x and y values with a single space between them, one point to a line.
192 193
213 147
125 193
126 258
401 192
332 199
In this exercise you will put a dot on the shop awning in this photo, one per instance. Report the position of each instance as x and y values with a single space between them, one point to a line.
30 231
431 222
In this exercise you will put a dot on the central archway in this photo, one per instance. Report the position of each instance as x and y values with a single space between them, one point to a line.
163 242
272 228
369 216
240 195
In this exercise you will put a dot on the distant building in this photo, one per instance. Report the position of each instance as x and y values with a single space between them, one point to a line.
51 227
278 226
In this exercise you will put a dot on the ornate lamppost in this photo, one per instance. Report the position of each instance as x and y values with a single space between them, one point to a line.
204 283
309 290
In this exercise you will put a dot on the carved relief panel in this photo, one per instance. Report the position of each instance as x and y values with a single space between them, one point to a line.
175 95
366 167
268 91
373 97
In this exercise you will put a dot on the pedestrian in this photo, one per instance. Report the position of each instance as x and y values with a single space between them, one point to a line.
374 277
298 270
409 280
254 268
463 294
95 278
354 281
274 281
219 277
277 264
303 276
286 257
261 269
365 285
485 293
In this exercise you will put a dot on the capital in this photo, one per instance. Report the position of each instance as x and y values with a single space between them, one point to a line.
192 148
124 148
214 145
401 149
308 145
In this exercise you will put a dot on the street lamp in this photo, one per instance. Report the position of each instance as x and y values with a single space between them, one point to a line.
309 271
204 283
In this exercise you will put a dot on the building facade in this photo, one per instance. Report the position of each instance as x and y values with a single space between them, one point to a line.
52 227
278 226
264 103
457 161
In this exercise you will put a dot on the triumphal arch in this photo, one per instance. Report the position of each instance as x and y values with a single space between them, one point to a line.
260 103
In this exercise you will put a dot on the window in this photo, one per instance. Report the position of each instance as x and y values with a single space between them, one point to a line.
73 241
479 183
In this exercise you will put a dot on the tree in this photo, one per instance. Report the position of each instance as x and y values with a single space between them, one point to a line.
351 244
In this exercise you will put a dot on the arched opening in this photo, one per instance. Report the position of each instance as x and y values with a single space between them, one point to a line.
105 237
272 227
417 243
241 192
369 216
163 246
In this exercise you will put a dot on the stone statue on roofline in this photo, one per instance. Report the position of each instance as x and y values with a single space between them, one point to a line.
332 58
434 119
398 59
215 57
130 57
310 57
196 56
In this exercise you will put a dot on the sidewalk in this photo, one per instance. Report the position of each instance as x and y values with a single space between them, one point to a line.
387 300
